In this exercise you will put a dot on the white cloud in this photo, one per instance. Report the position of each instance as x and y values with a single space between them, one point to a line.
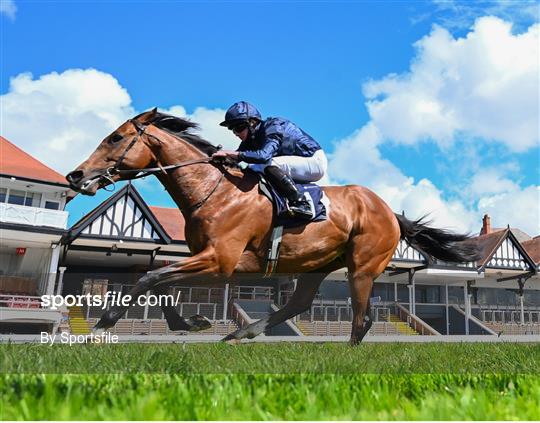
61 117
483 85
489 191
424 198
459 14
518 208
491 181
8 8
357 159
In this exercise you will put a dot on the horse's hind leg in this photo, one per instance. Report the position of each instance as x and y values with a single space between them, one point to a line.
365 262
361 286
306 288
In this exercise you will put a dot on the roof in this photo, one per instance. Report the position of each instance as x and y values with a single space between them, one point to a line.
487 244
172 221
124 215
15 162
533 248
501 249
518 233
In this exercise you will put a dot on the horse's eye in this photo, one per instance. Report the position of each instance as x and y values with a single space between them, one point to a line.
115 138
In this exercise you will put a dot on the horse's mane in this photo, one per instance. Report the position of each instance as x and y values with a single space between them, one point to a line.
180 127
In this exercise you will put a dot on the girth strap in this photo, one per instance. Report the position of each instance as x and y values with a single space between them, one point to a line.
273 251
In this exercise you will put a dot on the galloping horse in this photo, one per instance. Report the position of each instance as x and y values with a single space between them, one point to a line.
228 224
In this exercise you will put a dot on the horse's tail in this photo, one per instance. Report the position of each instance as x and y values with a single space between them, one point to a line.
438 243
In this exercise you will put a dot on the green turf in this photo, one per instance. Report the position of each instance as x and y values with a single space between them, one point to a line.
399 358
276 381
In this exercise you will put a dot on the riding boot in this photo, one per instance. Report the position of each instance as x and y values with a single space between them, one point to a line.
298 204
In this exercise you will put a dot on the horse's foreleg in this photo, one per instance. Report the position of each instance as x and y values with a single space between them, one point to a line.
205 264
111 316
306 288
176 322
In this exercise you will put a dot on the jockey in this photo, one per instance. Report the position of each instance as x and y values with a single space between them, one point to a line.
286 151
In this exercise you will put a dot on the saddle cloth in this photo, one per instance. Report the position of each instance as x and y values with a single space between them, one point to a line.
318 200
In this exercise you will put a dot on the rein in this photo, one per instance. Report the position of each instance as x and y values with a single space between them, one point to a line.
141 173
153 170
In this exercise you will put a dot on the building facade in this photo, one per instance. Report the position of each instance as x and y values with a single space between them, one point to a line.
32 222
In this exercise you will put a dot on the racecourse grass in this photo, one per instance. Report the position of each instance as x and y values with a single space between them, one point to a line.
271 381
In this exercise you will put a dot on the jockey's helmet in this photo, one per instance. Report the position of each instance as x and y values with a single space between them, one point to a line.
239 112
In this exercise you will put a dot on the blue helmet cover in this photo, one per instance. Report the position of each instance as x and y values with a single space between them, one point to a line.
240 111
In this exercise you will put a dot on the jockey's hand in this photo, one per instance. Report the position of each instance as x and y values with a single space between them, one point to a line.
225 154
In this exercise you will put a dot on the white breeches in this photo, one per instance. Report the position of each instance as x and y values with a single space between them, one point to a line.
302 169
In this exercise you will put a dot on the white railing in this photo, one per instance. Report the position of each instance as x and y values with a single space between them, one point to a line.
252 293
209 310
239 315
193 294
321 328
197 307
414 321
514 328
20 301
341 311
26 215
510 316
160 327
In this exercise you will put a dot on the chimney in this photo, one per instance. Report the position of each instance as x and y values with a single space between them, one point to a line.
486 225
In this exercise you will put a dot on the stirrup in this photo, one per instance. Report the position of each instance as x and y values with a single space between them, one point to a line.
301 209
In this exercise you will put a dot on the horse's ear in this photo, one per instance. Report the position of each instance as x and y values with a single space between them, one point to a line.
148 117
153 114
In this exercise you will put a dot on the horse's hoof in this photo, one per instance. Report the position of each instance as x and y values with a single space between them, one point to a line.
98 331
108 320
178 324
231 339
197 323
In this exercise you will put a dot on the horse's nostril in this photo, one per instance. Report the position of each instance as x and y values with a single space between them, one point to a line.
75 176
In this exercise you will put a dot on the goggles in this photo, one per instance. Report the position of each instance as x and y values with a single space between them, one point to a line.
239 127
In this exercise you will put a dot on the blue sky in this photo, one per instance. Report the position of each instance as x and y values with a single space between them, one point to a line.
349 73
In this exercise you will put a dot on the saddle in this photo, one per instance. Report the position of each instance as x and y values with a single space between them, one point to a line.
283 217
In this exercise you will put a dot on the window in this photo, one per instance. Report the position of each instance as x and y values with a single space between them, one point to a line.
52 205
33 199
430 294
23 198
3 195
16 197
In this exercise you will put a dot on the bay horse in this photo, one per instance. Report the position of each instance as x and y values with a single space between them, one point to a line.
228 224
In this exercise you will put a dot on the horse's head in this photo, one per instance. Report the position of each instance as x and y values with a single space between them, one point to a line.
127 147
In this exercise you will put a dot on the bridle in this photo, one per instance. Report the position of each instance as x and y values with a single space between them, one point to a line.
141 173
114 170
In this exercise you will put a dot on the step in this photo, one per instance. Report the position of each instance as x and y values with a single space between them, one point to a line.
77 323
